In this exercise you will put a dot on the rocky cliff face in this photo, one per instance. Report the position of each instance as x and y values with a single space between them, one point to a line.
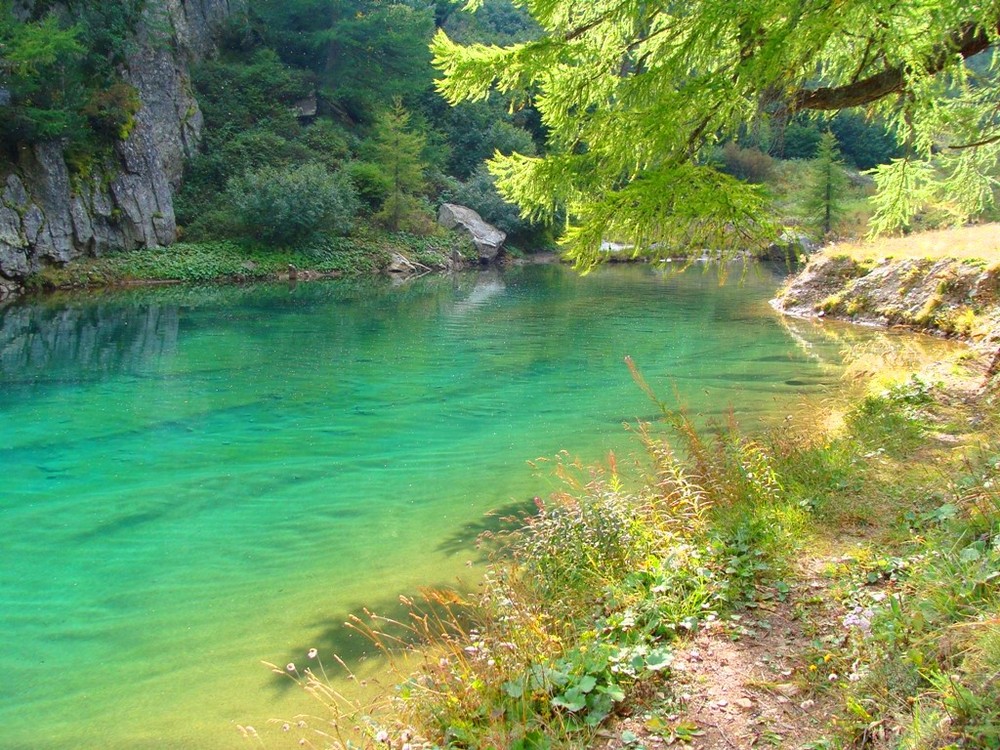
49 216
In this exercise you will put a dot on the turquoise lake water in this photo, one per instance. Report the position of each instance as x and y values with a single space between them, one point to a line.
195 480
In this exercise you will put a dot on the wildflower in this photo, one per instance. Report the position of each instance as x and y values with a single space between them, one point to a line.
382 737
833 677
290 667
301 724
812 667
285 727
313 653
827 657
859 618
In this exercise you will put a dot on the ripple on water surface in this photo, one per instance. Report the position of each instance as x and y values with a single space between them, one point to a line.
195 480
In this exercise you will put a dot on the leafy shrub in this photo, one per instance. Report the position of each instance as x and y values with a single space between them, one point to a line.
259 147
370 182
749 164
286 206
328 142
408 213
242 94
582 543
112 111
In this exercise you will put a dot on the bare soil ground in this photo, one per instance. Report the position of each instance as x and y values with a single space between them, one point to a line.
742 683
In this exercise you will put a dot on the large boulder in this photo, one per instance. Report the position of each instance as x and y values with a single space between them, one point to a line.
790 247
486 237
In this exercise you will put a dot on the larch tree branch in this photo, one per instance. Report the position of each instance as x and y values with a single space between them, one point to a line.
966 42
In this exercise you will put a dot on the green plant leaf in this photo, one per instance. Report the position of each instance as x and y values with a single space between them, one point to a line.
614 692
970 554
572 700
513 688
533 740
659 659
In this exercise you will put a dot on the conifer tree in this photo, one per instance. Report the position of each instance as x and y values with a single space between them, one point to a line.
824 201
399 151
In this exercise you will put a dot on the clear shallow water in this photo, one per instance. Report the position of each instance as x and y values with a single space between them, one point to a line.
196 480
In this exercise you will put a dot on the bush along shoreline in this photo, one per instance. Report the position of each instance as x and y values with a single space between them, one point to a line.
833 584
367 252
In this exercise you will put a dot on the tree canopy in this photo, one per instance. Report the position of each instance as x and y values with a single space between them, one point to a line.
635 93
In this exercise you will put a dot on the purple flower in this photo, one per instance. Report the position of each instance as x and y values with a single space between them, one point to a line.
859 618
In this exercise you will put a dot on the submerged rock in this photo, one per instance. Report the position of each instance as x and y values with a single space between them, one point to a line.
486 237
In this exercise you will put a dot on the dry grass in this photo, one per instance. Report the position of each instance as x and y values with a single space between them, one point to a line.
980 242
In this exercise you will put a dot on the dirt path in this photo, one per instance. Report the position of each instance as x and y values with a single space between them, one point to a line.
746 682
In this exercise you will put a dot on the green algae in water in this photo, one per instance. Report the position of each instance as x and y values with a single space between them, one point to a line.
196 480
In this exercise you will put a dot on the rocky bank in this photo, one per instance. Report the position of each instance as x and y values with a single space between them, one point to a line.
50 215
953 296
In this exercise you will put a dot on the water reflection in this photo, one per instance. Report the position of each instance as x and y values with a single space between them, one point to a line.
55 343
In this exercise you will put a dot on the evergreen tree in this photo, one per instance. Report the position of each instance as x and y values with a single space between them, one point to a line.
824 204
399 151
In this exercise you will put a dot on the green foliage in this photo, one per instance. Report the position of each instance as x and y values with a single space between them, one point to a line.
824 203
291 206
370 182
634 94
887 422
864 143
215 261
494 22
239 94
61 70
480 194
800 140
251 128
362 52
922 637
43 72
398 150
475 131
112 111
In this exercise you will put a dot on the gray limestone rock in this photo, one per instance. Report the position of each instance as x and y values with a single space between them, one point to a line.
486 237
48 217
14 193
